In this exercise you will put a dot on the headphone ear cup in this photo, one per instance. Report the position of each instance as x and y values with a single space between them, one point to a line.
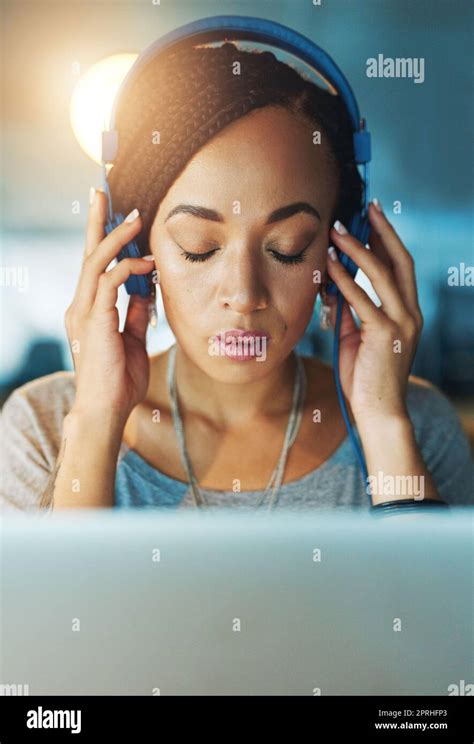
136 283
360 227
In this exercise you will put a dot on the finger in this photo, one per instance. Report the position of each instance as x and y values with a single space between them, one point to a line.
355 295
348 322
136 323
110 281
385 238
378 249
99 259
95 229
379 274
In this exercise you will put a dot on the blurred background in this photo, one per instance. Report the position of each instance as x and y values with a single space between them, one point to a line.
422 167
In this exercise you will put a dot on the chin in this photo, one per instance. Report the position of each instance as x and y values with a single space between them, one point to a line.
237 372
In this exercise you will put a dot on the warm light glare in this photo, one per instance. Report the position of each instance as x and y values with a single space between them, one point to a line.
93 98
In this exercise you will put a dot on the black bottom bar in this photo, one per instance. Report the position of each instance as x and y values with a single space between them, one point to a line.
146 719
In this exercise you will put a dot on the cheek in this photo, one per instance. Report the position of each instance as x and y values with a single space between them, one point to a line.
294 290
296 311
182 290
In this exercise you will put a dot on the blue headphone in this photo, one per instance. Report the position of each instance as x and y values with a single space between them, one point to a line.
227 28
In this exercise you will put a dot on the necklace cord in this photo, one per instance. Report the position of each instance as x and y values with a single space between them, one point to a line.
294 421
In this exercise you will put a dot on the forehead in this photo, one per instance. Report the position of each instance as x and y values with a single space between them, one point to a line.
266 158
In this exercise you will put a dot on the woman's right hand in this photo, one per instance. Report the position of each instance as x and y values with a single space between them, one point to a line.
112 368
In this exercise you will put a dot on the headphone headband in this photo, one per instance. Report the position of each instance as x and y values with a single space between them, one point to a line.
228 28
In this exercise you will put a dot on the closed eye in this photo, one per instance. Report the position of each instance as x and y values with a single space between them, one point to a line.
195 257
280 257
283 258
288 259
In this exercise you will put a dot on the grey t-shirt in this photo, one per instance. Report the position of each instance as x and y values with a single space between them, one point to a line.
31 428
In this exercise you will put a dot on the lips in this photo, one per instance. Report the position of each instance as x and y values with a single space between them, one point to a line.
237 333
243 345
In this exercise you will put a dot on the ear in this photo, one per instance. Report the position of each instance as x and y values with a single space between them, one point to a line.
326 299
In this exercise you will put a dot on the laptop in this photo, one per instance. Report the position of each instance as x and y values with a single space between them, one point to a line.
222 602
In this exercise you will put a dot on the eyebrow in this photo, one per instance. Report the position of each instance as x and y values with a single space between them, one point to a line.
283 213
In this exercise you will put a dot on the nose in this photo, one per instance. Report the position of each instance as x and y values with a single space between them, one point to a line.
243 288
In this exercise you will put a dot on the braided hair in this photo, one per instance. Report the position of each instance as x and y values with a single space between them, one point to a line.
187 95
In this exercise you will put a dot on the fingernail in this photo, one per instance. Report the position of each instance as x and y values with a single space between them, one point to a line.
132 216
377 205
91 195
332 253
150 257
339 227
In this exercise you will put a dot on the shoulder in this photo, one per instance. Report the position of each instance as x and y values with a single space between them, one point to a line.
49 397
427 405
31 423
442 441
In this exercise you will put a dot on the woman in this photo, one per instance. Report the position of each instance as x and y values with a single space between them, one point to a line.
235 203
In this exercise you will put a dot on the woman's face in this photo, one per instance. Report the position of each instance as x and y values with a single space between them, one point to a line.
262 197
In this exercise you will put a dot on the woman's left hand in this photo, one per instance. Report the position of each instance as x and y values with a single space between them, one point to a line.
375 359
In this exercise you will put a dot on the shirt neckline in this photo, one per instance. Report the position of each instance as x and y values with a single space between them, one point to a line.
156 477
